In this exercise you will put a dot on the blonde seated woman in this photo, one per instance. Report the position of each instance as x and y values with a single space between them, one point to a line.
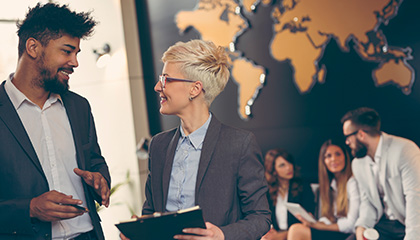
339 198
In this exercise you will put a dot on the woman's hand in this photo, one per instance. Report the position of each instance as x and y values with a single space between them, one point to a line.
122 235
305 222
212 232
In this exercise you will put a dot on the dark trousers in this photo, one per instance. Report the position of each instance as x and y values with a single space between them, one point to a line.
322 235
388 230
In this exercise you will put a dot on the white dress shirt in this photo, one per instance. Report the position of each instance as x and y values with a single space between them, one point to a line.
346 224
51 136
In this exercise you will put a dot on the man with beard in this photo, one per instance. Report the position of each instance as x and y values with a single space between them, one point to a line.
387 169
51 165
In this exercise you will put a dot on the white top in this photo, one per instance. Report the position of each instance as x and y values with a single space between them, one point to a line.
281 211
51 136
346 224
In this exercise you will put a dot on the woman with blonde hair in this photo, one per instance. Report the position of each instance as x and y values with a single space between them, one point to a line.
339 197
203 161
284 186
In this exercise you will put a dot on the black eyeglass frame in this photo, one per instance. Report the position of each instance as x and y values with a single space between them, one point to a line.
354 133
351 134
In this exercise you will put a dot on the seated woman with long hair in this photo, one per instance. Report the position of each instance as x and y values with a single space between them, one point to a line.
284 186
339 197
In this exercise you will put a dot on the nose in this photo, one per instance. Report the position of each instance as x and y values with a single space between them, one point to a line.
158 87
73 61
347 142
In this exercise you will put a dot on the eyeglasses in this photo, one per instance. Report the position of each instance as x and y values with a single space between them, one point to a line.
163 79
351 134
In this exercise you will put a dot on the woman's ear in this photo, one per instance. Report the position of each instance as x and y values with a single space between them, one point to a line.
32 47
196 89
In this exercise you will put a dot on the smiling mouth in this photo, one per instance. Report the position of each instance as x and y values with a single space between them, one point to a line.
66 71
162 98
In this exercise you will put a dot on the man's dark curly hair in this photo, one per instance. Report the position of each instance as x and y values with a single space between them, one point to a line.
50 21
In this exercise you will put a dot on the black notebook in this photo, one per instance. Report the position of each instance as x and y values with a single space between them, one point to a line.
162 226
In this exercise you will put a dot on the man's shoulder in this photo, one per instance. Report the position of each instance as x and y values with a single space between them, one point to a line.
74 96
397 140
360 162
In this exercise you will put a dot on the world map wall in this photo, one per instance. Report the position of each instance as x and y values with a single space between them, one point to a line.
301 31
297 66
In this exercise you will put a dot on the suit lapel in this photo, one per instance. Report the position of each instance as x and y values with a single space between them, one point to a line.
167 168
209 144
370 180
384 158
75 129
11 119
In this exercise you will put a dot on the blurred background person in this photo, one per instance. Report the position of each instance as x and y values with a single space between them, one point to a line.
387 168
338 196
284 186
204 162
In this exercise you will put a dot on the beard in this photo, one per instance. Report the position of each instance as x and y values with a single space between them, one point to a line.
360 150
49 79
52 84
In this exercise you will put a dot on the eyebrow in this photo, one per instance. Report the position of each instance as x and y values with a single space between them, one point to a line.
72 47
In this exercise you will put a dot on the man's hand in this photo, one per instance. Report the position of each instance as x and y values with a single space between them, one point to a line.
52 206
98 182
359 233
211 233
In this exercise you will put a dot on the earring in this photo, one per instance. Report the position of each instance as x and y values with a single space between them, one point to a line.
191 98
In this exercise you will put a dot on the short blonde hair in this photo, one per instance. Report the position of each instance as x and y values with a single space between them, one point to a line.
201 61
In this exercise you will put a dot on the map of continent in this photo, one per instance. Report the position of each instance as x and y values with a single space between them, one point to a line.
301 31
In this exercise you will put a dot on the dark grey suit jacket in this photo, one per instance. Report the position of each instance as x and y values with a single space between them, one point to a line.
231 188
21 174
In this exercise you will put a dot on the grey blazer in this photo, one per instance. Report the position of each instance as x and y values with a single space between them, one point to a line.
231 188
399 172
21 174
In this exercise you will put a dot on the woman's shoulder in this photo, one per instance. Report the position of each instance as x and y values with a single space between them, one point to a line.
168 134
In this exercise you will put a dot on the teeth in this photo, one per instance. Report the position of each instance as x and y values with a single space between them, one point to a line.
64 73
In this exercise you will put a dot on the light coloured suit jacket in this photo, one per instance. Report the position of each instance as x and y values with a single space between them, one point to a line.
399 173
231 187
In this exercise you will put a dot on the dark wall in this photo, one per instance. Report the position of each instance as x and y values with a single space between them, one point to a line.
283 117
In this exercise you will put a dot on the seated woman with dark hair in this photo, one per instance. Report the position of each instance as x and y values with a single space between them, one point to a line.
339 197
284 186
